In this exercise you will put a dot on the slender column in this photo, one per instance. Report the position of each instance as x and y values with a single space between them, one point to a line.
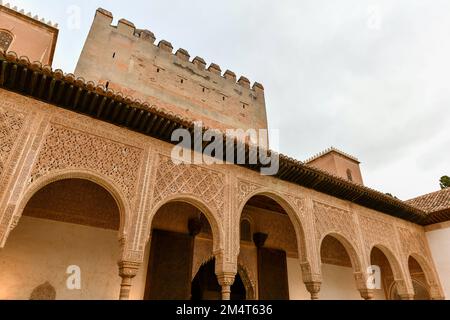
226 280
365 284
312 281
127 271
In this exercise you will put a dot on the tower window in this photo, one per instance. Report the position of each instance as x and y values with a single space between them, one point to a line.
6 39
349 175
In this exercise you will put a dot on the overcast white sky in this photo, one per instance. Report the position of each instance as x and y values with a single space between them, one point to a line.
369 77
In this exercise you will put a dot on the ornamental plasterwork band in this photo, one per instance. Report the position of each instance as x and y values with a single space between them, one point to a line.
413 243
66 148
329 219
175 179
12 126
377 232
244 189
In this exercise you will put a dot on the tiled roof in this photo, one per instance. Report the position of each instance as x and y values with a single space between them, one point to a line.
432 202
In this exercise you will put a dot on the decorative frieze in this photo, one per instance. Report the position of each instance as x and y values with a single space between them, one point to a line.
173 179
67 148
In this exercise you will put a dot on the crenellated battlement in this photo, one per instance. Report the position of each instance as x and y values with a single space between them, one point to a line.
130 29
29 15
133 61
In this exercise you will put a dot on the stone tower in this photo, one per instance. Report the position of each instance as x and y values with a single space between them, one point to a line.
126 59
27 35
338 163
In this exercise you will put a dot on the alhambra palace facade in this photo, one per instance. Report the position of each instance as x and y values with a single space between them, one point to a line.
87 180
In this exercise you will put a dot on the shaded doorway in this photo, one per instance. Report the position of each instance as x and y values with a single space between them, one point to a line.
68 228
269 241
177 229
206 287
337 270
379 259
419 280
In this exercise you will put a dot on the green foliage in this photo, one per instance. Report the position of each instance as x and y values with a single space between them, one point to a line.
390 195
444 182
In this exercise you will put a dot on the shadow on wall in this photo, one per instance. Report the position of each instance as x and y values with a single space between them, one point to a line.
44 291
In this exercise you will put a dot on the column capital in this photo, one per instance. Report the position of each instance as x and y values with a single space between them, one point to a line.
366 294
365 285
128 268
259 239
226 280
127 271
308 274
313 288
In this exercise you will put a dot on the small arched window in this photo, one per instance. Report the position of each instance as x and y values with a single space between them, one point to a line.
246 230
349 175
6 39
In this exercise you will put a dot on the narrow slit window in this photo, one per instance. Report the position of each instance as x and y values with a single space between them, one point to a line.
349 175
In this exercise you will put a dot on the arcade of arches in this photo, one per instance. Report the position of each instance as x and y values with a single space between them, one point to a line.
76 222
93 207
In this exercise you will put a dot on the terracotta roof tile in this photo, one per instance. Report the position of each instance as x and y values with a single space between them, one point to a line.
432 202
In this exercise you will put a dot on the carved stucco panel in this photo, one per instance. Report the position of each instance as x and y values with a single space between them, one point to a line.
329 219
377 232
67 148
299 205
412 242
244 189
11 125
12 136
173 179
